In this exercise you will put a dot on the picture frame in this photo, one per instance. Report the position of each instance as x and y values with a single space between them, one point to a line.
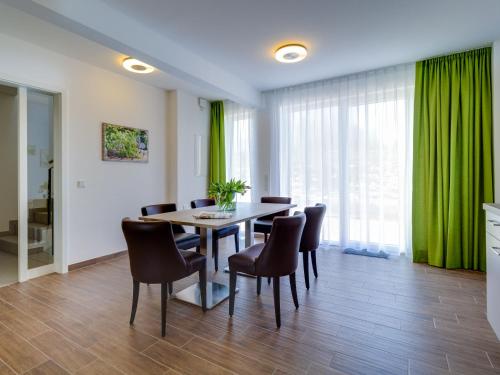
124 144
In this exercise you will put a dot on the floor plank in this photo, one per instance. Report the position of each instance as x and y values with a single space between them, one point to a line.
48 368
18 353
65 353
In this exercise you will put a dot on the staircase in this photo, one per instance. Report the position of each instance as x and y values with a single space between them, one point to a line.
39 233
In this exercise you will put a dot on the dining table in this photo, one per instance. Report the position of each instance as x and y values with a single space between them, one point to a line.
244 212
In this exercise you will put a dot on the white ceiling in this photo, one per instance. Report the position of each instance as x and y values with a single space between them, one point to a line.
343 36
44 34
96 33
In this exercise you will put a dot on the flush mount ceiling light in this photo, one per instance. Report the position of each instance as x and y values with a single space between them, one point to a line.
136 66
290 53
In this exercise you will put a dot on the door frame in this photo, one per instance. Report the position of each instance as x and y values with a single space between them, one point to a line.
60 183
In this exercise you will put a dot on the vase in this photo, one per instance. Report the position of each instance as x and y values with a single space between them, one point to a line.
226 202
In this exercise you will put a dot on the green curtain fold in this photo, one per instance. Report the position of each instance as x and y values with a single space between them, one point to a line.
452 159
217 143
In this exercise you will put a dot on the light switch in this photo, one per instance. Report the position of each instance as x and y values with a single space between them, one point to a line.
80 184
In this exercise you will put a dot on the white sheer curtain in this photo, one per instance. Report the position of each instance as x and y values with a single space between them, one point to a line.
347 142
239 124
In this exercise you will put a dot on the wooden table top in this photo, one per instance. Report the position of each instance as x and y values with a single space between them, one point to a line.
244 212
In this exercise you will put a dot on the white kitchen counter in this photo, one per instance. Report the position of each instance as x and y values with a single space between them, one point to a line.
493 265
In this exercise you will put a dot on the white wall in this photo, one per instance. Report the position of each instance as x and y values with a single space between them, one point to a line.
114 190
496 118
8 158
186 120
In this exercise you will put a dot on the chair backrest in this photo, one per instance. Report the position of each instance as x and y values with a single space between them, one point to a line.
312 229
283 200
162 208
153 255
205 202
279 257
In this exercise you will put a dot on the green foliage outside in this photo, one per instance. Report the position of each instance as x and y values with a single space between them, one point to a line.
124 143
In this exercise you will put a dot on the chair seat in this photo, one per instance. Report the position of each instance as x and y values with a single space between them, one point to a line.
186 241
195 261
227 231
262 226
244 261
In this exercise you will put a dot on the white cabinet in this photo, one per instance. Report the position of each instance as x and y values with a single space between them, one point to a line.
493 265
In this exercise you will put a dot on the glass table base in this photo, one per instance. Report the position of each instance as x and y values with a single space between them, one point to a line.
216 293
226 270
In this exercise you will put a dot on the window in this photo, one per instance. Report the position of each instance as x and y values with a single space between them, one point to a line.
239 124
347 143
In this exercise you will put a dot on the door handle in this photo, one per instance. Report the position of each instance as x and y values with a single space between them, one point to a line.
495 250
494 223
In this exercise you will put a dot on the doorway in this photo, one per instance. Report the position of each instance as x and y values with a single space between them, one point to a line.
31 183
9 187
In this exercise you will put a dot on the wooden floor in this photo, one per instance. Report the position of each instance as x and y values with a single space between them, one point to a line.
362 316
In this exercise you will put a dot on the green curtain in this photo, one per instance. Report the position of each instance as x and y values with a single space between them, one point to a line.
217 143
452 159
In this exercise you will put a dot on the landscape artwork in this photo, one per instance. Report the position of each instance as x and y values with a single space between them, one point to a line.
121 143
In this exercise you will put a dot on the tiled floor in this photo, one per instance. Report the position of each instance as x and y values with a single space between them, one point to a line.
9 265
8 268
362 316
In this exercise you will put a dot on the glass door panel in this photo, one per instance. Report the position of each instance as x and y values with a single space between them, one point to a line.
40 178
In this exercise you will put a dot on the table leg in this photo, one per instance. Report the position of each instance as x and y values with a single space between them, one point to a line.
249 240
216 292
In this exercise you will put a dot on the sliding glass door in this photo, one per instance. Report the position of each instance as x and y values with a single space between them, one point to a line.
347 143
40 178
38 222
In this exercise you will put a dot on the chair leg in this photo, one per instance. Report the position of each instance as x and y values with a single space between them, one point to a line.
163 308
293 286
313 261
259 284
203 288
276 292
135 300
237 242
215 249
305 260
268 279
232 291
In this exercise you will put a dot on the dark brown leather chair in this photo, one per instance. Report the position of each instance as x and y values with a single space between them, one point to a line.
155 259
311 237
263 224
276 258
183 240
232 230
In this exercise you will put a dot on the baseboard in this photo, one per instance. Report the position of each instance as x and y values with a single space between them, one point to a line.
93 261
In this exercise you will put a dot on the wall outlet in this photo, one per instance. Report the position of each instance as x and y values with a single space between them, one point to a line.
80 184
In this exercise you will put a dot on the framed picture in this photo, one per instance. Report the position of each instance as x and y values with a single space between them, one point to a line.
121 143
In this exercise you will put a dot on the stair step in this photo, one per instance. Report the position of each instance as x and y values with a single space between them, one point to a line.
36 231
13 224
41 217
10 244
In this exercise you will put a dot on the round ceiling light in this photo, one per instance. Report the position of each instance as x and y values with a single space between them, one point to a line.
136 66
290 53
